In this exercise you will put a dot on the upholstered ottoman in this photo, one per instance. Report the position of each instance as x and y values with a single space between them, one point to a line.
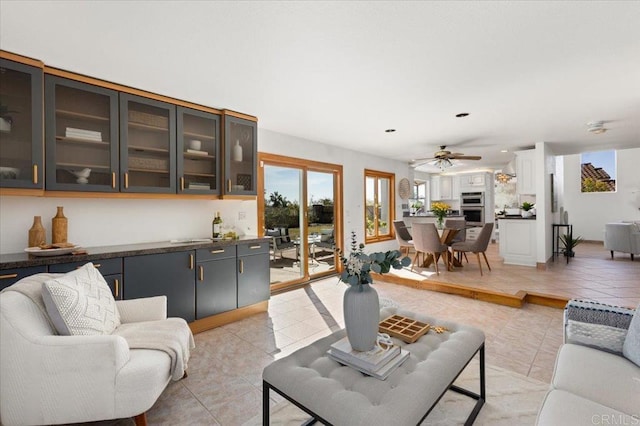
336 394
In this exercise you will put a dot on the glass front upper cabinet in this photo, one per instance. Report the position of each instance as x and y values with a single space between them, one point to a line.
198 152
21 146
81 136
240 156
147 145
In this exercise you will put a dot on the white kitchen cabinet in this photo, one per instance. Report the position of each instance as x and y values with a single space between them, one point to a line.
518 241
473 182
525 172
455 187
442 188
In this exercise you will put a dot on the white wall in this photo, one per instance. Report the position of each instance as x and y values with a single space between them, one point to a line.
588 212
353 164
104 222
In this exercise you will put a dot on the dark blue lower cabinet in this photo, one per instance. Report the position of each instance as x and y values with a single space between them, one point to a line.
11 276
253 279
115 283
216 289
165 274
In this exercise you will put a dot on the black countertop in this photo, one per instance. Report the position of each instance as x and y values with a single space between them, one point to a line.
518 217
23 260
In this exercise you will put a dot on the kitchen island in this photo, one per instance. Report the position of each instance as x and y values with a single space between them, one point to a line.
517 240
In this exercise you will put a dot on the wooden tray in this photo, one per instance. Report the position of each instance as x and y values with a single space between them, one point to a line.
406 329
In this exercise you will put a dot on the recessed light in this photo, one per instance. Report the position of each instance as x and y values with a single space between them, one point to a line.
504 150
462 114
390 130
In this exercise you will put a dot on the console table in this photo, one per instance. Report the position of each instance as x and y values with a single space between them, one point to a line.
336 394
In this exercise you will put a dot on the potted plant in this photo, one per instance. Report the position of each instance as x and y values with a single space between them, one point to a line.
360 304
5 118
526 209
569 243
440 210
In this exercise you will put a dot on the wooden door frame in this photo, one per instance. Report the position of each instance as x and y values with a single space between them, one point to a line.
306 166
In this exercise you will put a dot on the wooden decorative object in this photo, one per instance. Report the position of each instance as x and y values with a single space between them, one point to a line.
59 227
37 233
406 329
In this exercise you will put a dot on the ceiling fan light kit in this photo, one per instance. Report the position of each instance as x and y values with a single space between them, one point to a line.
442 158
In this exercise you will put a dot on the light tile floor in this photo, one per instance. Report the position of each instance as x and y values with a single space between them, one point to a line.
590 274
224 383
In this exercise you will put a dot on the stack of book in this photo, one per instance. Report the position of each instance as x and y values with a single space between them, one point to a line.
377 362
91 135
199 185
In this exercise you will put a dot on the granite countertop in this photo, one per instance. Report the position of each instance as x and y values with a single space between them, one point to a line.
22 260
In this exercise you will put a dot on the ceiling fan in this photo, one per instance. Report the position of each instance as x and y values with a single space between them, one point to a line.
442 158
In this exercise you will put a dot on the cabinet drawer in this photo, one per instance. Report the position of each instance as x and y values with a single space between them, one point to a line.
105 266
215 253
10 276
253 248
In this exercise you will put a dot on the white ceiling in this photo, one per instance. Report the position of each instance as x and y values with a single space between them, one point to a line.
343 72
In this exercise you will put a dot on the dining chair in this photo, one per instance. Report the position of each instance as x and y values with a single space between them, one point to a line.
427 240
403 237
478 246
461 226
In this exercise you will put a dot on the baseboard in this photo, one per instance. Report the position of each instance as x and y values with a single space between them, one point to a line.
214 321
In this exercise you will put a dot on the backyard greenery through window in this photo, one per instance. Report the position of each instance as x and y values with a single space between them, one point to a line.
598 171
379 205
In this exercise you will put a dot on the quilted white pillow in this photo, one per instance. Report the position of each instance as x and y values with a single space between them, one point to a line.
81 303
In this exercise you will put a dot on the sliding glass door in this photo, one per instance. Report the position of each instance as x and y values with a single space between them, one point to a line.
300 212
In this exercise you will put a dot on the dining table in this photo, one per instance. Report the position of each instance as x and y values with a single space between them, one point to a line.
446 237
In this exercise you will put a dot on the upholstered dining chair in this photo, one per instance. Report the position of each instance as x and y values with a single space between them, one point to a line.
478 246
461 226
403 237
427 240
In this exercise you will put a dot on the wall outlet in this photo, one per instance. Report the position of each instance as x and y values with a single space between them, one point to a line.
242 215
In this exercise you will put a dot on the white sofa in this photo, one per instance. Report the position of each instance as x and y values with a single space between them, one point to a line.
593 384
623 237
46 378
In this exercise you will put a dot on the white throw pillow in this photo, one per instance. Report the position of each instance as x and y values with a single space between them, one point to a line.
81 303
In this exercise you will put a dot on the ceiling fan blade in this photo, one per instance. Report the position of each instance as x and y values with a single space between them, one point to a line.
466 157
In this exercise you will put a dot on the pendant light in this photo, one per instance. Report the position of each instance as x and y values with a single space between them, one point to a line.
237 152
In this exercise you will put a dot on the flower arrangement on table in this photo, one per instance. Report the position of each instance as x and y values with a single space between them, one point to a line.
440 210
358 265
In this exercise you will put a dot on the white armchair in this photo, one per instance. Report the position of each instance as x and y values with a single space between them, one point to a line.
46 378
623 237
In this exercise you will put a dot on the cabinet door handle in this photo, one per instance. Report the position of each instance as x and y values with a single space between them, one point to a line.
201 271
190 261
241 266
229 185
6 277
113 180
126 180
217 251
35 173
182 184
254 247
116 282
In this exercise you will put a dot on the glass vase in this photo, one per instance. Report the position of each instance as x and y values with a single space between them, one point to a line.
440 222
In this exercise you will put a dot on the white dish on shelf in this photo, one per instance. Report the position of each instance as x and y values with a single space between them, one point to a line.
37 251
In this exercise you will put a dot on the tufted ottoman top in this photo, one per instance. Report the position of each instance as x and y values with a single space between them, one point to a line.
344 396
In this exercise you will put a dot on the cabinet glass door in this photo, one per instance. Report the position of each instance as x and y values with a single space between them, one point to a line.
147 145
81 136
20 125
240 156
198 149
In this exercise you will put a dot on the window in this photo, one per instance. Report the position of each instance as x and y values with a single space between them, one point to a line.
379 205
598 171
